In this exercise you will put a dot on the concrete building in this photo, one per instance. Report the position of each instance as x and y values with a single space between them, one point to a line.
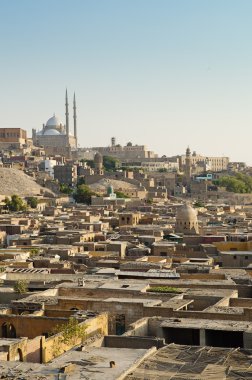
12 138
205 163
152 165
129 151
66 174
47 166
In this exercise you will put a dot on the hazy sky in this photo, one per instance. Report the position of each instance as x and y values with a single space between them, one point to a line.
165 73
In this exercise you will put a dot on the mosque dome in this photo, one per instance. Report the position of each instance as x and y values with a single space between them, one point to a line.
54 121
186 220
186 212
52 132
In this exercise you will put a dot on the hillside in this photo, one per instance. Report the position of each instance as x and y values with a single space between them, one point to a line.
13 181
102 185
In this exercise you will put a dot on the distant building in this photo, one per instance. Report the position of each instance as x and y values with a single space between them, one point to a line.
48 166
123 152
66 174
201 163
12 138
152 165
55 137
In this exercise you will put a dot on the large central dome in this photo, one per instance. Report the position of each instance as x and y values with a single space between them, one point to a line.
51 132
54 121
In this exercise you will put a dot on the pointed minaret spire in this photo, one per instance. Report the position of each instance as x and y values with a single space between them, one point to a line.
75 118
67 116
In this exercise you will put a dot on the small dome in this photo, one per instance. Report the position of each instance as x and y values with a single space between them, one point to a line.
54 121
98 158
110 189
186 220
186 212
52 132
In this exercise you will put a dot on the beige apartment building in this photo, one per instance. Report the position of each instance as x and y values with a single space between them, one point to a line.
129 151
12 137
215 164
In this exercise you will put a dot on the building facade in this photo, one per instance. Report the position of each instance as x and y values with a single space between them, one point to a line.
125 152
205 163
14 138
55 137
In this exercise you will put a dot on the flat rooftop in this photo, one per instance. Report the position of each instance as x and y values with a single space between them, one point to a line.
90 364
194 363
207 324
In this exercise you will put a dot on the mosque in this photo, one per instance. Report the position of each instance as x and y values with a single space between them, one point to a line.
55 137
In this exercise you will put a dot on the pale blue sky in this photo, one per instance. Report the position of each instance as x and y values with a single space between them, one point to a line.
165 73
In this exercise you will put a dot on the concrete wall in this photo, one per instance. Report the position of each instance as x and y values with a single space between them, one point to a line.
138 328
55 345
33 350
30 325
134 342
107 293
131 311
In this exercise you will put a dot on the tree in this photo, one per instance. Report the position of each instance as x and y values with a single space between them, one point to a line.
21 287
239 183
32 202
71 331
120 194
15 203
198 204
149 201
81 181
65 189
110 163
83 194
34 252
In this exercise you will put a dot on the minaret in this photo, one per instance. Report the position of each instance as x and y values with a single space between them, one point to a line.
67 116
188 166
75 119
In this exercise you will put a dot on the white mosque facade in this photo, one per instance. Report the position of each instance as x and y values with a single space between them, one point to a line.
55 136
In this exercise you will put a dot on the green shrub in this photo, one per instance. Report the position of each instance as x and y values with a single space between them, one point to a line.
15 203
164 289
71 331
21 287
32 202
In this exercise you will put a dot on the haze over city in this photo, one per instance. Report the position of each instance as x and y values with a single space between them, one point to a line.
162 73
125 190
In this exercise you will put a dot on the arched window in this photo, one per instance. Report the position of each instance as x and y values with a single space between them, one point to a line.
19 356
8 330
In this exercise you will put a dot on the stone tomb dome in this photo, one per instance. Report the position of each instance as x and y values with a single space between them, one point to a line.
98 159
187 220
